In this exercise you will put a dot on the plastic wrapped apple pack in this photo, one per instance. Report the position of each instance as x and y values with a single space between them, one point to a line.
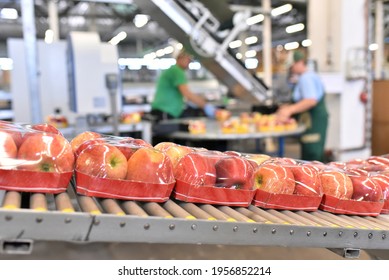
215 178
34 158
122 168
350 191
288 184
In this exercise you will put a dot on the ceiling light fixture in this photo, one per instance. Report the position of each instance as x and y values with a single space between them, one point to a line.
250 53
118 38
235 44
281 10
373 47
295 28
251 40
255 19
306 43
141 20
8 13
49 36
291 46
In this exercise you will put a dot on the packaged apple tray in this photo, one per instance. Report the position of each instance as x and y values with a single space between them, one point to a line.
34 158
341 188
215 178
286 184
121 168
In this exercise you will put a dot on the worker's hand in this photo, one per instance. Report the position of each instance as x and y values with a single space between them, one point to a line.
284 112
209 110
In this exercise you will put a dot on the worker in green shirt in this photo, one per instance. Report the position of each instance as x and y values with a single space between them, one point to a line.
172 92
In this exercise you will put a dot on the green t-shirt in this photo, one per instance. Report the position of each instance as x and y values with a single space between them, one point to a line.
167 97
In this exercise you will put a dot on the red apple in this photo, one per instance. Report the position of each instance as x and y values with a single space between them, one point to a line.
102 160
257 159
377 160
128 146
196 169
337 164
8 148
176 152
149 165
88 143
234 172
45 127
336 183
46 152
307 180
232 153
365 189
274 178
382 180
283 161
82 137
357 171
13 130
163 146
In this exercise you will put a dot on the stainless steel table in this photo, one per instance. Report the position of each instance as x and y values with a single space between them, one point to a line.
214 133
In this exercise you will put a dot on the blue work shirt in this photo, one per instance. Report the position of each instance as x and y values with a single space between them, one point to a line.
309 85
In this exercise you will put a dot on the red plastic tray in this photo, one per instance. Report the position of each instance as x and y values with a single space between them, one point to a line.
385 208
122 189
212 195
32 181
286 201
351 207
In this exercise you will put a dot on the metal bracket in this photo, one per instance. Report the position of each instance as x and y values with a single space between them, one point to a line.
16 246
348 253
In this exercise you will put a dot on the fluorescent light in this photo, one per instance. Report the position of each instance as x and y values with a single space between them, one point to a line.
6 63
235 44
160 52
239 55
255 19
306 43
291 46
119 37
251 63
194 65
295 28
281 10
251 40
250 53
179 46
8 13
141 20
373 47
150 56
168 50
49 36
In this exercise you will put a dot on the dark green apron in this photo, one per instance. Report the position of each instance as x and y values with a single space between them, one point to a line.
313 139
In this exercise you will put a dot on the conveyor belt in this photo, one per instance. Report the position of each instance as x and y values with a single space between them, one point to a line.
71 217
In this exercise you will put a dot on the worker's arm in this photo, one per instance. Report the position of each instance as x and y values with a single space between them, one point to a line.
198 100
286 111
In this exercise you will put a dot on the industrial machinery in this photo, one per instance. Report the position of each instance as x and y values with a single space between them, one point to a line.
195 31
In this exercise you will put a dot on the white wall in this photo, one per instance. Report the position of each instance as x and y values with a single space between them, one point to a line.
337 28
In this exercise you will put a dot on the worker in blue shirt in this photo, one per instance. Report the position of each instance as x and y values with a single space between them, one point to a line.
310 109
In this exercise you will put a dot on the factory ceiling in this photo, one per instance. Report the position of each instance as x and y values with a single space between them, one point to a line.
109 18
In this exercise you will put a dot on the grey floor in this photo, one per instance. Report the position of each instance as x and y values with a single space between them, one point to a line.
122 251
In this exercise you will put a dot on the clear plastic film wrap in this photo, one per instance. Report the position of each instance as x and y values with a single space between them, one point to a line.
214 177
349 188
34 158
122 168
285 183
